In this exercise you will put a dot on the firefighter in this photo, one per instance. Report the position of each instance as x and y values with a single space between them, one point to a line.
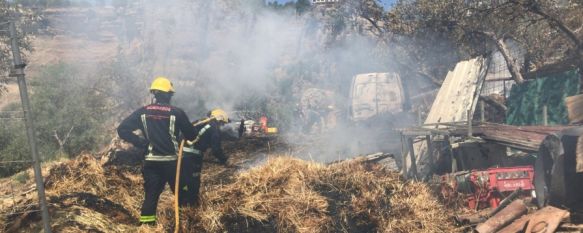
161 124
209 137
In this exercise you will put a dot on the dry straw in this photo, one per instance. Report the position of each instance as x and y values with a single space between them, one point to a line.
283 194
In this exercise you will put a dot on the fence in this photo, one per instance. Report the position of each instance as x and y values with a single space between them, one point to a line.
10 204
498 79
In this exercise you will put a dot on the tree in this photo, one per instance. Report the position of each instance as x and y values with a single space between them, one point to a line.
302 6
69 114
22 16
480 27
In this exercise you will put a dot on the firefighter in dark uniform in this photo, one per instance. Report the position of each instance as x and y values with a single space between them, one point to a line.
209 135
161 124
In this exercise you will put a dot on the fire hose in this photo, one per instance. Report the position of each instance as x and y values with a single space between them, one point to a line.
178 165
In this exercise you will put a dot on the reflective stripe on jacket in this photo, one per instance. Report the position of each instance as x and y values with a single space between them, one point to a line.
161 124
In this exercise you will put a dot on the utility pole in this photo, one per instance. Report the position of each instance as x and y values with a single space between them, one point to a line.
18 72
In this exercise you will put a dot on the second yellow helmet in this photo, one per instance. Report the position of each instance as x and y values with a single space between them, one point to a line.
219 114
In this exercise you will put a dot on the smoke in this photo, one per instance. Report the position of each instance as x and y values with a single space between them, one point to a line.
228 50
242 55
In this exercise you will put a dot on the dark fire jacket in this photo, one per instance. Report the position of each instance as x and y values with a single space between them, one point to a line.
161 125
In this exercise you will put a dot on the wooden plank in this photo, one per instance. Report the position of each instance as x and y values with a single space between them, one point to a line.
546 219
517 226
404 152
430 153
575 108
413 158
504 217
457 95
570 227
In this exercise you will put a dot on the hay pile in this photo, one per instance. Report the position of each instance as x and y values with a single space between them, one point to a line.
281 195
83 196
291 195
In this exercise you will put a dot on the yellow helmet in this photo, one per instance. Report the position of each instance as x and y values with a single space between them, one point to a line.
162 84
220 115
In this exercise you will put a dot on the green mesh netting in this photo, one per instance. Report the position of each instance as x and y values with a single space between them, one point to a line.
526 101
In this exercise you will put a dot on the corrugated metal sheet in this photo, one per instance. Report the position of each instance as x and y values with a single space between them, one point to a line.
458 94
527 138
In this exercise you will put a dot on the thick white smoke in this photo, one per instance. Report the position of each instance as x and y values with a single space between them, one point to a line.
222 53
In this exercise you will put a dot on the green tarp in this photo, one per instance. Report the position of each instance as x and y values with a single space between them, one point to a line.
526 101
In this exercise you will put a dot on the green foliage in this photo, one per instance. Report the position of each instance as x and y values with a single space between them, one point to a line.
300 6
13 147
63 102
25 17
22 177
69 116
542 28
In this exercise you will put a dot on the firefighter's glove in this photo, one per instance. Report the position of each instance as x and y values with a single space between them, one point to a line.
142 144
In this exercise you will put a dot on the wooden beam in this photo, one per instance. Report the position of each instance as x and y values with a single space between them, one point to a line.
430 153
527 138
413 159
575 108
489 100
404 151
517 226
503 218
579 155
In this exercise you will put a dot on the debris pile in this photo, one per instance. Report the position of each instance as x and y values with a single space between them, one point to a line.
283 194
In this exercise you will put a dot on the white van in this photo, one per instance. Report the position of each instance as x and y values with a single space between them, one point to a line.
375 94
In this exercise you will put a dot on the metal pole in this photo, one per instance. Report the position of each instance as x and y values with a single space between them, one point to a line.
470 133
482 111
18 72
545 115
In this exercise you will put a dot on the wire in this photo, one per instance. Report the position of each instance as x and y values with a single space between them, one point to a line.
23 212
16 161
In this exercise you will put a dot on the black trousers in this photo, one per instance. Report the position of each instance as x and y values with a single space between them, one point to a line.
190 178
156 175
159 173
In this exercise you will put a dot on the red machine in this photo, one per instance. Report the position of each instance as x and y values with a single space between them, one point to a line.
261 128
488 187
